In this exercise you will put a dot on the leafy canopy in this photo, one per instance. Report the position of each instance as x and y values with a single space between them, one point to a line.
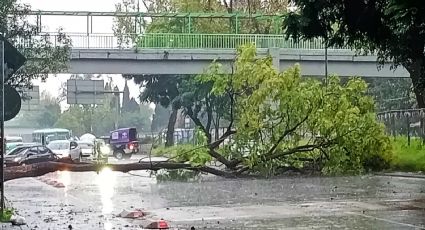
45 54
284 120
393 29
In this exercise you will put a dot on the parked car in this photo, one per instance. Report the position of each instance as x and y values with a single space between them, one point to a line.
29 155
87 149
124 143
12 142
19 148
66 149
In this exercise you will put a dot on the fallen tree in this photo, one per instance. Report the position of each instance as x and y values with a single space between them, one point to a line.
280 120
276 122
40 169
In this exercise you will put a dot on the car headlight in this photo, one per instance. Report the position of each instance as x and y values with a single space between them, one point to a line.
104 149
17 159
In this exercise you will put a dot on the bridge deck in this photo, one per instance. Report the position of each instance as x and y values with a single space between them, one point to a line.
193 53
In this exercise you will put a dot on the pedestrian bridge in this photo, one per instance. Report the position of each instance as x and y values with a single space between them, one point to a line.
164 54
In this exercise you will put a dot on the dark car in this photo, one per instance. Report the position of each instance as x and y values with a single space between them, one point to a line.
124 142
29 155
18 149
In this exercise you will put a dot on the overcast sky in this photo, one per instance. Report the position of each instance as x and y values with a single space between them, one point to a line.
74 25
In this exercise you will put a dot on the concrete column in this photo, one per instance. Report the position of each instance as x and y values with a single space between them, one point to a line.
275 54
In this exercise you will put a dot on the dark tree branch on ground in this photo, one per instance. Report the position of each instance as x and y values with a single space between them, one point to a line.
39 169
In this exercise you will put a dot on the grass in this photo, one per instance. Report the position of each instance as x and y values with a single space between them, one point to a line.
6 215
408 158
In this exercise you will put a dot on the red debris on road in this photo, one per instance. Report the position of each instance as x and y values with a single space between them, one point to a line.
162 224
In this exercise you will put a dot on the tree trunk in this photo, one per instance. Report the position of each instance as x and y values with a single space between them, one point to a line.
170 128
417 74
39 169
217 127
419 91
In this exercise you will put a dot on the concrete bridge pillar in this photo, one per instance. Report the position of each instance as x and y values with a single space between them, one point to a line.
275 54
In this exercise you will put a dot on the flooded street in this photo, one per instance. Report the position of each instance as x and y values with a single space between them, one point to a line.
92 201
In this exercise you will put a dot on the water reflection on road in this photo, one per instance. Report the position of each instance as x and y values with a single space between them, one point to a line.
94 200
106 184
64 177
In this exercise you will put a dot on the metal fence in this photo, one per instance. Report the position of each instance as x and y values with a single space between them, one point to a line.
410 122
182 136
224 41
181 41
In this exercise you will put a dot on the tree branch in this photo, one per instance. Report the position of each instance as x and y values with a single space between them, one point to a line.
209 116
196 120
298 149
225 135
273 148
40 169
220 158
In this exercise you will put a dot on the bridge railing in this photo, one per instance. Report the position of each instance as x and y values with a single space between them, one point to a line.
187 41
224 41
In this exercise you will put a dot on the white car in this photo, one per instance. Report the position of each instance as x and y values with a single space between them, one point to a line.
87 148
66 149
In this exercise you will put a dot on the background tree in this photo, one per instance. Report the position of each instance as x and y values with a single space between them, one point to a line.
391 28
163 91
160 118
45 54
125 98
50 111
392 94
259 25
45 115
141 118
124 27
75 119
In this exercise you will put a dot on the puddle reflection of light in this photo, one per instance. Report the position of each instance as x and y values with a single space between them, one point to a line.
64 177
106 182
107 226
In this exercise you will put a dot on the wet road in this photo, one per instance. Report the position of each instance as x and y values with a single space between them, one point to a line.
91 201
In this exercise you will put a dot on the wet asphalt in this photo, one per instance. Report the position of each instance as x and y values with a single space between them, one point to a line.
92 200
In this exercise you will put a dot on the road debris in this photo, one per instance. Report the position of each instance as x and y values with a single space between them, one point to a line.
161 224
17 220
138 213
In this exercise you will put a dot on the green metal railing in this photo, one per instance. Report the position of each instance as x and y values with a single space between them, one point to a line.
182 41
225 41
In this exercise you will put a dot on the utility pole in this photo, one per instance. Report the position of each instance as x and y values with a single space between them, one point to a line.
3 142
118 110
326 61
117 95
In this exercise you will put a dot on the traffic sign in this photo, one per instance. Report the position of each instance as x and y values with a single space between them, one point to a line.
13 59
85 92
12 105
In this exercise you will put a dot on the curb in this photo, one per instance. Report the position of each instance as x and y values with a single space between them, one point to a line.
405 175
